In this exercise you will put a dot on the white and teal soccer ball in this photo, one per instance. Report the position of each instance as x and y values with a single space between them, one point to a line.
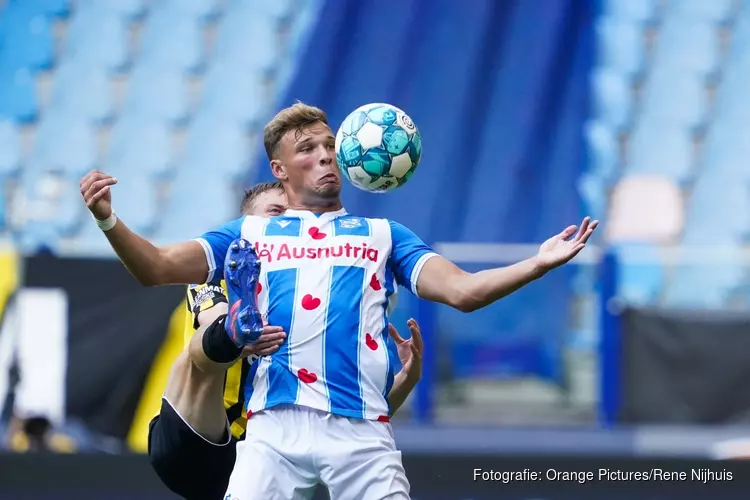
378 147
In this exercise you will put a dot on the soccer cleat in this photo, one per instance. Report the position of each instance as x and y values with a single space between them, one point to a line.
241 271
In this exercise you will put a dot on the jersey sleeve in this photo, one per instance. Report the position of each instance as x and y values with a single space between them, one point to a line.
408 255
216 244
203 297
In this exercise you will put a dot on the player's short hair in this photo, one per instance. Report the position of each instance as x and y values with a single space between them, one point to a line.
295 117
257 190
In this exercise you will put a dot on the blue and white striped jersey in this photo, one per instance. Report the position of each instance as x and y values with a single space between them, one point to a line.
330 281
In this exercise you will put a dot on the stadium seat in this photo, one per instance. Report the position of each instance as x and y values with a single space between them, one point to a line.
136 201
3 211
198 9
242 29
172 39
82 91
140 146
674 97
26 40
731 103
187 209
727 149
65 144
275 10
157 93
613 98
10 150
718 211
639 11
233 94
54 8
98 36
17 95
641 274
219 145
127 9
621 45
708 281
645 208
38 237
687 44
605 151
717 11
658 148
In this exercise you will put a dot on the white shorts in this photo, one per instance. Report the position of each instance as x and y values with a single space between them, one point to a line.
288 450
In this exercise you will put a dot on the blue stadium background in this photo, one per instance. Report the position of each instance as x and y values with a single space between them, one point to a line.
533 113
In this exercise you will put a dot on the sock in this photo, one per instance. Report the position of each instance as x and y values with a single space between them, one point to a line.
217 344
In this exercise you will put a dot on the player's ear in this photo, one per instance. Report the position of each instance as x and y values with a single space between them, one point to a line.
279 170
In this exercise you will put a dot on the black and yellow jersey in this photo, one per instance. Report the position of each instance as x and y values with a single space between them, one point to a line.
201 298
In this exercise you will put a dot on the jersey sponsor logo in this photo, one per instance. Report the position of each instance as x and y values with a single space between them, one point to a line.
277 253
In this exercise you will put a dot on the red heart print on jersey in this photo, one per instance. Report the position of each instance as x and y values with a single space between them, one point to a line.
316 234
309 302
258 288
306 376
371 343
375 284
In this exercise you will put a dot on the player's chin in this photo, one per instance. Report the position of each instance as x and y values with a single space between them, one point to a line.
329 190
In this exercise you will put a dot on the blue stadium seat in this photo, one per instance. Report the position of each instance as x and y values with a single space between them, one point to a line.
233 94
709 282
717 11
687 44
98 36
199 9
26 40
139 146
17 95
136 201
65 144
605 150
718 211
727 149
639 11
621 45
247 28
731 103
740 43
171 39
676 97
10 150
218 145
126 9
274 10
3 210
641 274
187 209
157 93
54 8
82 90
659 148
38 236
613 98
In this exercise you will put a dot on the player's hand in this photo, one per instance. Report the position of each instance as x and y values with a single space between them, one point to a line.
562 247
268 342
95 189
409 351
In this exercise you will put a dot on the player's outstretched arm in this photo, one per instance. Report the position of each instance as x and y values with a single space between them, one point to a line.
182 263
442 281
410 354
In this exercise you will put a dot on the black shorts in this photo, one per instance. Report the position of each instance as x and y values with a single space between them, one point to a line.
187 463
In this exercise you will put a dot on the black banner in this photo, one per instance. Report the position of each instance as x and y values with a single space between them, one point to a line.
685 367
432 477
115 330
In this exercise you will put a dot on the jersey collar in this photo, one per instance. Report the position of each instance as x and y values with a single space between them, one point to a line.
324 217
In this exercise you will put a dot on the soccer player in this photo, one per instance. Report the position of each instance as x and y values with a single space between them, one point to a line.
318 406
192 440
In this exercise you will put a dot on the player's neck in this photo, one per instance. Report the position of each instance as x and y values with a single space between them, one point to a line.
316 209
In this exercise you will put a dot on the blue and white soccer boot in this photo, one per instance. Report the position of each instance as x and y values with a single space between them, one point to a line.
241 272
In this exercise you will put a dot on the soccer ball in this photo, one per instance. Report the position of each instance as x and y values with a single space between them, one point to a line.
378 147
